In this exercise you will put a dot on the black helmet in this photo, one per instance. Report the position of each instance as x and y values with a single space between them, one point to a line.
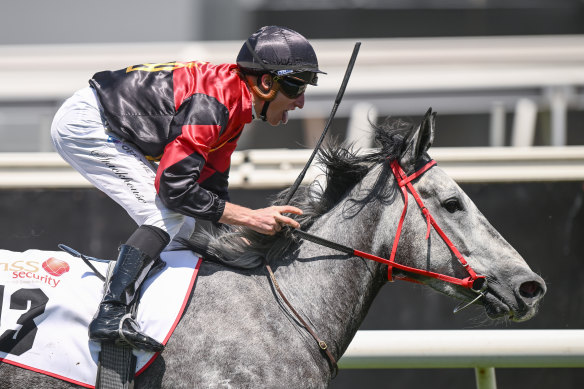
279 51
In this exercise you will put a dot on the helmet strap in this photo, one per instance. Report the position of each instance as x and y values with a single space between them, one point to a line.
265 94
264 111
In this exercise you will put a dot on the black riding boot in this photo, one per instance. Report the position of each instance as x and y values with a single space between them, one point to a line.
113 321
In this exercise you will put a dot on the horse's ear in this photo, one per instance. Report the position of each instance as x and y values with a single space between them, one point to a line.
419 141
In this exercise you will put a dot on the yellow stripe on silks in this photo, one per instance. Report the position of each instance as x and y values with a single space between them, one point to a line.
155 159
168 66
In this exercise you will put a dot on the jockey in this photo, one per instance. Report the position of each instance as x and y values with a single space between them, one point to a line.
187 116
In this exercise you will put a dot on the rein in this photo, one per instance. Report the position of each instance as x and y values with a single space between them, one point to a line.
321 343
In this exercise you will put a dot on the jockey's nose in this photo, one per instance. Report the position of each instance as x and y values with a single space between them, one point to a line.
299 101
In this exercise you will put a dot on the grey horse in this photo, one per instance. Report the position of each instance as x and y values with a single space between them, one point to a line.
237 333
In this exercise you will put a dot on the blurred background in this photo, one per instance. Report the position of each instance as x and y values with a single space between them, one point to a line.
505 76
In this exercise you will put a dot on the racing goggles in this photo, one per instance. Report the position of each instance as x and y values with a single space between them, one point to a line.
292 88
294 85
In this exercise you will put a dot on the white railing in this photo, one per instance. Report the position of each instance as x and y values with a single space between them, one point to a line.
272 169
483 350
399 77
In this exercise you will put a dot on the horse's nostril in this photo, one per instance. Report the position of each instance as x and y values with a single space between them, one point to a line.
530 290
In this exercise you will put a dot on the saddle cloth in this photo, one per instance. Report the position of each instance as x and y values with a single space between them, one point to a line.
48 298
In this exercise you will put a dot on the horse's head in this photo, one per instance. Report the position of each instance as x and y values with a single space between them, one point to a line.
513 290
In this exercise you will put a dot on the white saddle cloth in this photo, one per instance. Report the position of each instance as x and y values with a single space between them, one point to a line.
48 298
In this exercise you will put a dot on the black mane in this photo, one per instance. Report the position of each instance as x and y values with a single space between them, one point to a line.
344 168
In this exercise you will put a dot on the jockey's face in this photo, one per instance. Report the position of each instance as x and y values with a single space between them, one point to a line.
279 107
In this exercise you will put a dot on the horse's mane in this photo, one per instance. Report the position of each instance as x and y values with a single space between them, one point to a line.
344 168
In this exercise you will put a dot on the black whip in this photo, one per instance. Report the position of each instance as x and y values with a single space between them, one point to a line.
326 127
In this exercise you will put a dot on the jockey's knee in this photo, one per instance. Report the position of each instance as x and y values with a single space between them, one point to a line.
150 240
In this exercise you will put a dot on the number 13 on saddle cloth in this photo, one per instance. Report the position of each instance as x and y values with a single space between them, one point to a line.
48 298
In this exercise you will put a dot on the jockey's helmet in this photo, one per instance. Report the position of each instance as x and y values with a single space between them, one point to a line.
280 51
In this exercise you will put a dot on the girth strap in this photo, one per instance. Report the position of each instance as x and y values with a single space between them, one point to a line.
116 367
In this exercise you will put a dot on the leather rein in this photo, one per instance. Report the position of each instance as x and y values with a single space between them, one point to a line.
474 282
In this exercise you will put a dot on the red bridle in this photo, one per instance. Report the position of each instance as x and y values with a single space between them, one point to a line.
473 282
405 183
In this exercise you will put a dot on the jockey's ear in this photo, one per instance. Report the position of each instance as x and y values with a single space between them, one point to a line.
418 142
265 87
265 82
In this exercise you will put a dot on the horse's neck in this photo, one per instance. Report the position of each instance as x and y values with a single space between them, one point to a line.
333 290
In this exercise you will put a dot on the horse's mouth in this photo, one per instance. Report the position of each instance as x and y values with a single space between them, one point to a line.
495 307
497 302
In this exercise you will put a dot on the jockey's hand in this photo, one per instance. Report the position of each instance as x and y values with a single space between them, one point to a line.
270 220
267 221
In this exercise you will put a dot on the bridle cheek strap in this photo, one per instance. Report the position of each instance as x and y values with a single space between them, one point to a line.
405 183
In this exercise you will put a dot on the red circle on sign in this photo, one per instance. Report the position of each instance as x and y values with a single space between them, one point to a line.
55 266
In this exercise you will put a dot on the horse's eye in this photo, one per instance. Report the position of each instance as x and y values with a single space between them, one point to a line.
452 205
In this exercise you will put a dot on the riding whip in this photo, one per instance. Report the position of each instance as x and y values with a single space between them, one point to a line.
326 127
